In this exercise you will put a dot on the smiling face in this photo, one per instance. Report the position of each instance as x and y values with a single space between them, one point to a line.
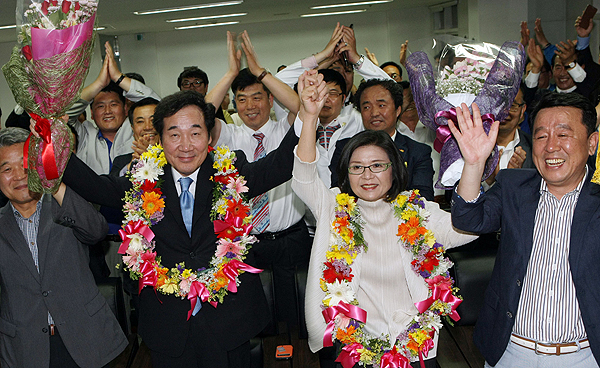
562 78
142 124
108 112
370 186
185 139
254 105
561 147
13 178
333 104
378 110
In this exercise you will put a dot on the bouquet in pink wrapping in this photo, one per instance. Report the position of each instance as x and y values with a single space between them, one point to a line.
45 73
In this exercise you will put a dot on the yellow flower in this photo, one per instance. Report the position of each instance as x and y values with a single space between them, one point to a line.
407 214
345 200
222 209
337 253
323 285
171 286
222 150
429 238
419 336
366 355
401 200
162 160
186 273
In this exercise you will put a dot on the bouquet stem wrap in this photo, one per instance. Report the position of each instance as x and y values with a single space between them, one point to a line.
45 73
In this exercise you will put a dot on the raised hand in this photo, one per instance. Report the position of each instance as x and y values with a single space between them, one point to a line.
349 44
403 52
251 57
517 159
113 68
524 34
371 56
329 51
233 56
539 33
535 55
566 51
313 92
475 145
583 32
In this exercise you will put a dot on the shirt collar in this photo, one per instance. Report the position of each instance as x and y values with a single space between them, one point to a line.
266 129
566 90
544 185
177 175
18 215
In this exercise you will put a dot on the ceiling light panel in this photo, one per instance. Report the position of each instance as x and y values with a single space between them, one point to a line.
191 7
206 18
362 3
207 25
333 13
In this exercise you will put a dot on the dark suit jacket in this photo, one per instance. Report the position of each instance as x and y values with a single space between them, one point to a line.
163 324
526 143
417 157
511 205
64 286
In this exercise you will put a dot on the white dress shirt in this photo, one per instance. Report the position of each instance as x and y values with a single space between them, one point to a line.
285 208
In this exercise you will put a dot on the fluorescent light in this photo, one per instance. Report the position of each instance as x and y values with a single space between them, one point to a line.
207 25
352 4
99 28
333 13
8 27
207 17
191 7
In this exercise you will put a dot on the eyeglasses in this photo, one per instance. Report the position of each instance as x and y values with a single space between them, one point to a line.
334 94
195 83
516 106
375 168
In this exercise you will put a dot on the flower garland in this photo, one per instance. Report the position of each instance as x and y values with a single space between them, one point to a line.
144 207
345 320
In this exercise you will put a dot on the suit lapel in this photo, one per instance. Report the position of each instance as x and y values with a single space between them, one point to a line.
527 209
203 195
586 210
401 144
172 198
44 231
16 240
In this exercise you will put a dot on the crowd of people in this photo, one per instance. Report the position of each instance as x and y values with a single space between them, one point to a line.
309 142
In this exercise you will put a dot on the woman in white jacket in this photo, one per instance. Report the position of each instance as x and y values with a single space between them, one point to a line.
373 256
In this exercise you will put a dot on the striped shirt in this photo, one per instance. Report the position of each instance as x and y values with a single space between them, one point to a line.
29 228
325 133
548 308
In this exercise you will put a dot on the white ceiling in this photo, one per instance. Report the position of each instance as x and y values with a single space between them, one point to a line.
118 18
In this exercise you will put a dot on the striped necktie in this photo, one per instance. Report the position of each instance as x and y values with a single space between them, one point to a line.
260 204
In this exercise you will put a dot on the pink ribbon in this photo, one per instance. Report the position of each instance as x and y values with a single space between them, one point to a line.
197 291
231 270
443 295
346 309
393 359
134 228
349 355
443 133
230 220
424 350
149 277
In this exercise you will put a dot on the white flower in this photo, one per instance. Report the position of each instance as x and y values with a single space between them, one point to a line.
339 292
133 216
149 171
136 243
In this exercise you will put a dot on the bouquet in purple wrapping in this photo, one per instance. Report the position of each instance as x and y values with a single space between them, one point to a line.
45 73
471 73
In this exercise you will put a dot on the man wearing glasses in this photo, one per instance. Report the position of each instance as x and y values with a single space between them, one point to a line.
193 79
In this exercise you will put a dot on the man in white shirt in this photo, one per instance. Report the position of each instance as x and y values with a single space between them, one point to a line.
277 215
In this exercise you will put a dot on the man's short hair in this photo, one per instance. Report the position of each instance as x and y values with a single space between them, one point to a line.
171 104
113 87
192 73
388 63
333 76
394 88
138 77
13 135
555 99
144 102
245 79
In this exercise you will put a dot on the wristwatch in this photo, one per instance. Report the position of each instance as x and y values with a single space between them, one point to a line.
360 62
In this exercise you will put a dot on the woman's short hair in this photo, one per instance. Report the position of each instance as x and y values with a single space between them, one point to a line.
382 140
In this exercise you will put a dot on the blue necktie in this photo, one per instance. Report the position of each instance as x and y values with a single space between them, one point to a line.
186 201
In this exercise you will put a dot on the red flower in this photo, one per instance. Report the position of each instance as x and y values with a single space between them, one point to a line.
224 179
430 261
237 208
230 233
45 6
149 186
54 2
26 50
77 6
330 274
66 5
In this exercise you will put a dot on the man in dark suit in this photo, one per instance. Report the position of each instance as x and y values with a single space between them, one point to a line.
541 304
380 103
215 337
51 312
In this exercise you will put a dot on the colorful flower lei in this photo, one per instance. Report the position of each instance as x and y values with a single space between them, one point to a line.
345 320
144 207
